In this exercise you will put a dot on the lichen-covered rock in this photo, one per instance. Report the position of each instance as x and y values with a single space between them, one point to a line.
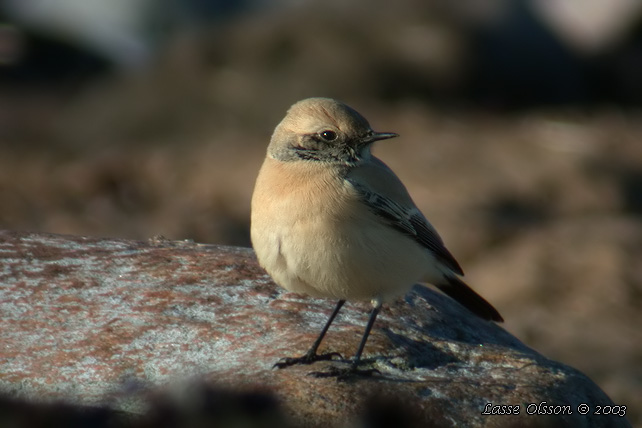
114 323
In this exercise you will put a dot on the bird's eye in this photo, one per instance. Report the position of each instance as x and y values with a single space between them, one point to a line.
328 135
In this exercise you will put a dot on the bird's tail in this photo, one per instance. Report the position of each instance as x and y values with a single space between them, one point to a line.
467 297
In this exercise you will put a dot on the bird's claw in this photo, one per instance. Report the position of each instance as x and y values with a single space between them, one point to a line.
306 359
344 374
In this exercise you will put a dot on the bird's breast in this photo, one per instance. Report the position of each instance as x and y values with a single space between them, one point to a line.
314 235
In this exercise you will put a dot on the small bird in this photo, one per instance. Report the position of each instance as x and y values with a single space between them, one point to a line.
331 220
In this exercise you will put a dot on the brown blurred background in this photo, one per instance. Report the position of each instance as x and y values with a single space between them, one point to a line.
520 123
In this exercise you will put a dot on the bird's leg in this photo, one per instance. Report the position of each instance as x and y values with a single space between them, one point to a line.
373 315
342 374
311 356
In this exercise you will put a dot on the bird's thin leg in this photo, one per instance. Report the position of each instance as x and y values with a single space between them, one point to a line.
366 333
315 345
311 356
347 373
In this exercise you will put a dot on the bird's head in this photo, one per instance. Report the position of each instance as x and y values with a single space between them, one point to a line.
324 130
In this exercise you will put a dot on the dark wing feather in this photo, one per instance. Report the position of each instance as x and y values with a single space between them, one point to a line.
468 298
410 222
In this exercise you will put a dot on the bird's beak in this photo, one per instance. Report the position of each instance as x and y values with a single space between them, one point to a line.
380 136
384 135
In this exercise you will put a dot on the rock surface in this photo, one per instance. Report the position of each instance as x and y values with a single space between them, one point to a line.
114 323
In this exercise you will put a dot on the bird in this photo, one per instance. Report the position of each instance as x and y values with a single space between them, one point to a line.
331 220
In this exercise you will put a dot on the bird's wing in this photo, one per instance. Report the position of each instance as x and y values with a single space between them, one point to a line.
386 196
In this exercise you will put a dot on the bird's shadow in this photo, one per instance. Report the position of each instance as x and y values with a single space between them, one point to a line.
442 333
442 318
418 354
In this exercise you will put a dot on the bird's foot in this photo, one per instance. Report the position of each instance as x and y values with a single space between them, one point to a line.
345 374
308 358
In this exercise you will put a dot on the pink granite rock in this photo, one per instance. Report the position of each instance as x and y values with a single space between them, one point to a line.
115 324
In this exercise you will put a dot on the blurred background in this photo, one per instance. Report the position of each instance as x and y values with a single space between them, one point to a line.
520 124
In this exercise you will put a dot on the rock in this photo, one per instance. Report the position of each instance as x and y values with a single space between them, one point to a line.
115 324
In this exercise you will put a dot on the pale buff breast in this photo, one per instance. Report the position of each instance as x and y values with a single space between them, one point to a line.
313 236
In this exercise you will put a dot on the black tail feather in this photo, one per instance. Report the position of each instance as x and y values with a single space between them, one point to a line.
467 297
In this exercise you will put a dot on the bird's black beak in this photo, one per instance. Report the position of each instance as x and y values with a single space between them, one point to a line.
376 136
383 136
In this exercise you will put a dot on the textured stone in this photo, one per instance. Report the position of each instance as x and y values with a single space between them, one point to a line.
114 323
